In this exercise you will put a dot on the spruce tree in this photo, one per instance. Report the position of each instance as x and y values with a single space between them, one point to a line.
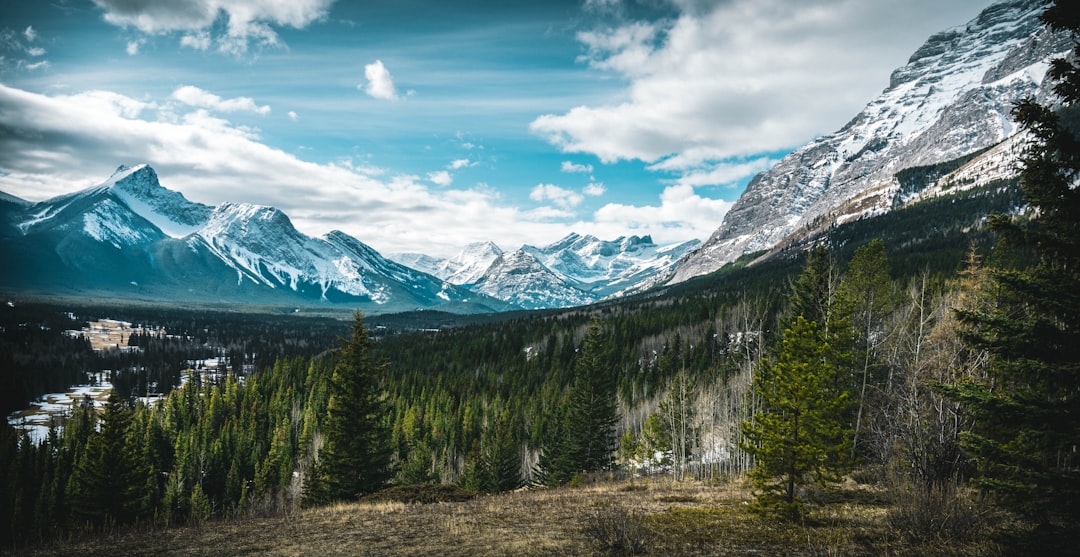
586 439
106 485
798 435
1028 414
356 457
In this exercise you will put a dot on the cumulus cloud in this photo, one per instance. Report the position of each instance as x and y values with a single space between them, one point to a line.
440 178
732 79
133 47
30 33
246 21
196 97
293 116
54 144
681 213
594 189
571 167
461 163
379 83
197 41
563 198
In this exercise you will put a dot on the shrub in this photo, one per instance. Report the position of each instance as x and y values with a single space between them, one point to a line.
421 493
616 531
941 514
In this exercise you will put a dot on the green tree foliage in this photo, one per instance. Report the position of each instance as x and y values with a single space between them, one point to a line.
865 298
106 485
585 439
798 435
1027 427
356 459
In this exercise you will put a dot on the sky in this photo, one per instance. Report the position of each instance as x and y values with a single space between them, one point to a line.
424 125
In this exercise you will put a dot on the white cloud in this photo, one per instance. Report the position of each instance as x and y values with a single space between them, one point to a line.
293 116
30 33
682 213
247 20
561 197
196 97
197 41
36 51
461 163
37 65
725 173
727 80
570 167
440 178
594 189
133 47
380 84
54 144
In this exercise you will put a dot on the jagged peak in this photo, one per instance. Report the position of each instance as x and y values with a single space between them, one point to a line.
138 180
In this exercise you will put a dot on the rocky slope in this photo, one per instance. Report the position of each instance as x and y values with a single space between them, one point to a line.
952 98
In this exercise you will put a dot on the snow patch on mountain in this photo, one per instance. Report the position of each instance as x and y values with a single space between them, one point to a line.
952 98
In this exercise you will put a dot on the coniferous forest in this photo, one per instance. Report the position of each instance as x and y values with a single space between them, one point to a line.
931 358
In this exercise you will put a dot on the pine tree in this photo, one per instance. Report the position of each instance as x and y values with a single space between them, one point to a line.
356 457
798 436
105 486
1028 415
865 297
586 439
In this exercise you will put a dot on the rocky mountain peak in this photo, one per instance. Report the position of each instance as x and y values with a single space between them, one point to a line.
952 98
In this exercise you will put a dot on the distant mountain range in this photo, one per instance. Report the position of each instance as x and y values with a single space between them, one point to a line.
132 237
576 270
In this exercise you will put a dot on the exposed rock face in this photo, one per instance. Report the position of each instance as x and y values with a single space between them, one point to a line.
952 98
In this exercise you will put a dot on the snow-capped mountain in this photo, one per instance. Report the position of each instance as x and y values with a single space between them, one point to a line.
952 98
463 269
573 271
605 267
132 236
519 278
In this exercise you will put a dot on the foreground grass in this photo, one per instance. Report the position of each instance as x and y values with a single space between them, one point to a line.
688 519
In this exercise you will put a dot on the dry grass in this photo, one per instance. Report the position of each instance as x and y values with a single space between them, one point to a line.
688 519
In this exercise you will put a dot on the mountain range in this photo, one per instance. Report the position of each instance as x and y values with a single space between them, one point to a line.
573 271
941 125
132 237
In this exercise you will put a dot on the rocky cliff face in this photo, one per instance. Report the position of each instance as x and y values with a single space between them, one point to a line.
952 98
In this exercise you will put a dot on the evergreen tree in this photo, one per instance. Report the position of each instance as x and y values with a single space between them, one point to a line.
500 461
356 457
865 297
106 484
1028 415
797 436
586 442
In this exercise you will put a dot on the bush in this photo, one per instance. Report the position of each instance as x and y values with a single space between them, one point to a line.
616 531
942 514
421 493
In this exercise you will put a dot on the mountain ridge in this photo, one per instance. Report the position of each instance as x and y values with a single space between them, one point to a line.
952 98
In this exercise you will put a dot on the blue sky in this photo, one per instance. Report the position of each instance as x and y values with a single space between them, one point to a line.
423 125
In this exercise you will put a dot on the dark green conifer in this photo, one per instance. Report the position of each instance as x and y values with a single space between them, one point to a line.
356 457
1027 426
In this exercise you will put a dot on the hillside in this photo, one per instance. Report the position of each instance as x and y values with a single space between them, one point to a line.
668 519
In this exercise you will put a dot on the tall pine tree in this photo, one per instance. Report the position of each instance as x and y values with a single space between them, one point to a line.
585 441
1027 430
356 457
